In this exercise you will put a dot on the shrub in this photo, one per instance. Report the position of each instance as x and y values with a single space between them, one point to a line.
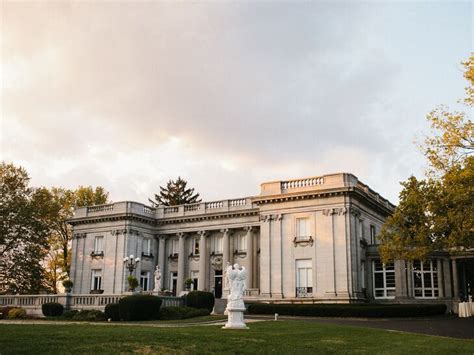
200 299
89 315
170 313
68 285
139 307
52 309
132 282
16 313
341 310
69 314
4 312
112 311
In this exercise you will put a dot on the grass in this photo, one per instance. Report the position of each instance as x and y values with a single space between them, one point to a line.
262 337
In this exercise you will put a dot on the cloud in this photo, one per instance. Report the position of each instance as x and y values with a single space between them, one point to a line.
127 95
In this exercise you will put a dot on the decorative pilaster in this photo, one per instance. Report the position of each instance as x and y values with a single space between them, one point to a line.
265 256
249 240
439 270
225 256
181 263
162 259
455 279
202 261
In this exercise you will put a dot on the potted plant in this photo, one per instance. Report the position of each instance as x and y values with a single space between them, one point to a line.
188 284
68 285
132 283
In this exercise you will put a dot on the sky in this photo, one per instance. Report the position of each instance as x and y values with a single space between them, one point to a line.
227 95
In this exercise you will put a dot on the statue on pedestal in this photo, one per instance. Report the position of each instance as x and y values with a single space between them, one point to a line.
235 278
157 275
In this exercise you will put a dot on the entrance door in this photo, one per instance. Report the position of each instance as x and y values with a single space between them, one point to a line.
466 278
218 284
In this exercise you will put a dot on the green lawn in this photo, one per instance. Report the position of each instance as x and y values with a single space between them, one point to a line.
262 337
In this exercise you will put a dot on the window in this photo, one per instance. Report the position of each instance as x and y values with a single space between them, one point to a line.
304 278
195 278
99 245
384 280
241 243
96 280
174 246
302 230
145 280
372 234
362 275
217 245
425 279
195 246
173 281
146 247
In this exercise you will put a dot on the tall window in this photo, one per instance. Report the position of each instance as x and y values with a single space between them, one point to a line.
362 275
384 280
372 234
304 278
98 245
302 228
146 246
174 246
241 243
96 280
425 279
218 245
195 246
195 278
173 281
145 280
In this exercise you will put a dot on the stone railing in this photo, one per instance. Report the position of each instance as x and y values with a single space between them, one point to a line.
204 208
298 183
251 292
32 303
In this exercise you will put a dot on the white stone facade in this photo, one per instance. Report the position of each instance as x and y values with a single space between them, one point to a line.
304 240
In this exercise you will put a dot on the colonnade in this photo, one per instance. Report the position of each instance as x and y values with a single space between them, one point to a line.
224 256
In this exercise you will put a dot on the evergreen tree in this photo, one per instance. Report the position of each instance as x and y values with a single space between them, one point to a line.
175 193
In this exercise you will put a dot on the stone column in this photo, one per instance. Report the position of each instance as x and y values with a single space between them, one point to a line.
181 264
225 258
249 241
202 261
401 291
439 270
448 292
162 259
455 279
265 256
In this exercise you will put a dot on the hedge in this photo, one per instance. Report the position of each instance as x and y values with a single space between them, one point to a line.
4 311
139 307
16 313
112 312
170 313
200 299
89 315
52 309
349 310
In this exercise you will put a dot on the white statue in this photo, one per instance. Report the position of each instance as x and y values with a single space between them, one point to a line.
157 275
235 277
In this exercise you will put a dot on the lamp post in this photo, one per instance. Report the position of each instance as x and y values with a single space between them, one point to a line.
131 263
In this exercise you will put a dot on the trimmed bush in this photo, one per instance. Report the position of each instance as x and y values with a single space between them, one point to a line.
200 299
112 311
4 312
139 307
52 309
92 315
171 313
348 310
69 314
16 313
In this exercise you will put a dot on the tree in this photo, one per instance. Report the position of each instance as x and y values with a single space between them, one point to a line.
175 193
61 206
437 213
23 232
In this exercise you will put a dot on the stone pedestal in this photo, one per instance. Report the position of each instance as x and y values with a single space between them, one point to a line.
235 318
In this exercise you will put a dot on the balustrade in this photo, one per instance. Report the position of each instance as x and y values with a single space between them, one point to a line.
294 184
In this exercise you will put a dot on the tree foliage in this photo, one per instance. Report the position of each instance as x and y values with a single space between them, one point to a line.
23 232
437 213
175 193
61 203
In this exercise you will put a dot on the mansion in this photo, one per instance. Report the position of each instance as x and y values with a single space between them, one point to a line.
303 240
